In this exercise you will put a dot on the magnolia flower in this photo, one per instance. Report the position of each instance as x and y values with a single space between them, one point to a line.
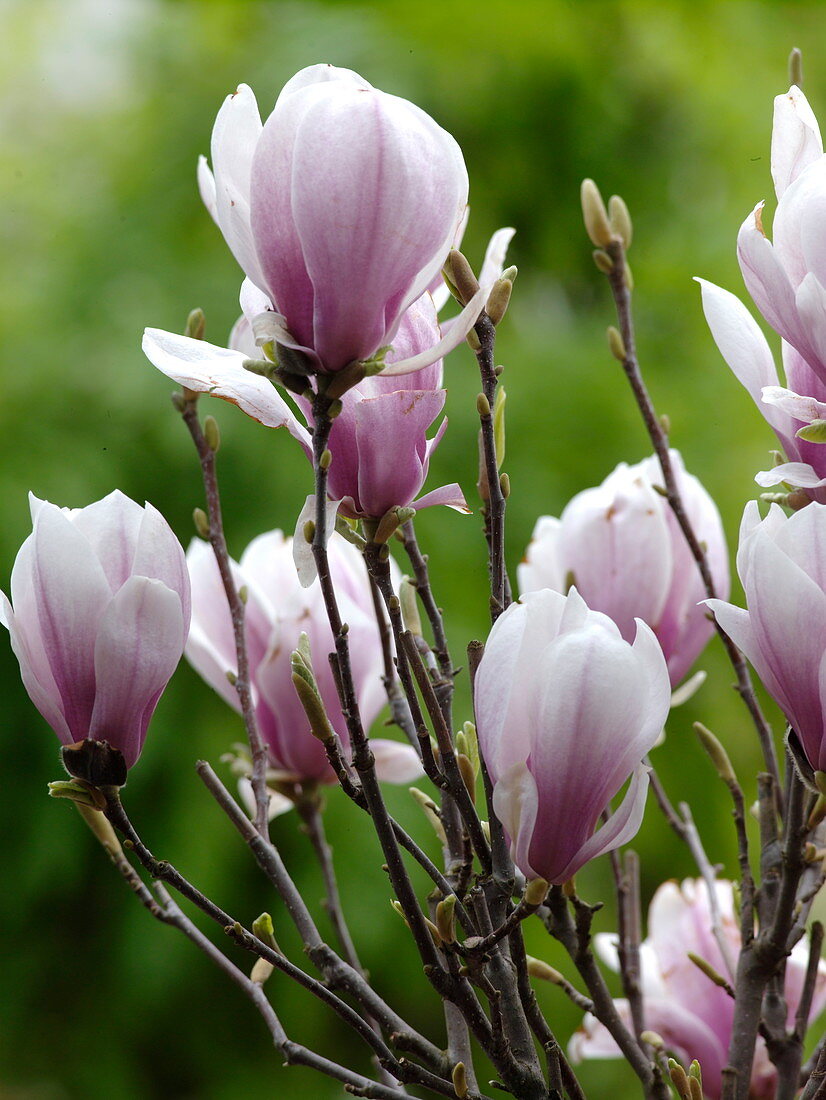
783 633
565 711
620 544
98 618
787 281
692 1014
278 611
341 210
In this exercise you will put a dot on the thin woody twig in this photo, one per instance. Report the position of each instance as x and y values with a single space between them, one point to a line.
188 406
618 281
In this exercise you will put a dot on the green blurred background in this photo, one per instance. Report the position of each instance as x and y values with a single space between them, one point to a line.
104 109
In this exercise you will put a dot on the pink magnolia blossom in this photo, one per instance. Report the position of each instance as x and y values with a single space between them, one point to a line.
98 618
620 544
278 611
787 281
566 710
782 567
692 1014
341 209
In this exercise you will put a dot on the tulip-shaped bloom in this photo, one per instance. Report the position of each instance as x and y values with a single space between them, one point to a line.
340 209
565 711
98 618
787 280
278 611
622 547
692 1014
782 567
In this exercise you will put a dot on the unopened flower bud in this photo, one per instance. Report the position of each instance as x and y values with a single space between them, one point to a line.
444 918
594 214
719 756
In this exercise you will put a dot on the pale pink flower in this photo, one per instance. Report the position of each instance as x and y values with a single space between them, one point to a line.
782 566
786 279
278 611
692 1014
622 547
98 618
566 710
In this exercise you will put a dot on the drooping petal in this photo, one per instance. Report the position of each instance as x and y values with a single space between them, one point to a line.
219 372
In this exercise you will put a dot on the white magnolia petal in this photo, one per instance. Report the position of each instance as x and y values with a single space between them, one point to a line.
303 550
799 474
459 328
395 762
207 368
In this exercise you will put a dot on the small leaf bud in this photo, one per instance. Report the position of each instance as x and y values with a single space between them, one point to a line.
594 214
473 341
467 773
243 594
325 459
536 892
482 405
653 1039
616 343
410 607
719 756
334 409
431 812
707 969
231 676
499 299
459 1079
444 919
195 325
199 518
814 432
505 485
309 531
212 435
603 261
539 969
499 425
459 276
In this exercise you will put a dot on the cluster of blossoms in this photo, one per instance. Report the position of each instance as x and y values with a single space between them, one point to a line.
342 210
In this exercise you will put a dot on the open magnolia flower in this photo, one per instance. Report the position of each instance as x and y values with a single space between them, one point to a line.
620 544
681 1003
99 614
787 280
341 209
566 709
278 611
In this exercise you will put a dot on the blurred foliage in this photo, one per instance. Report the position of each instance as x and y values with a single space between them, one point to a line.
104 109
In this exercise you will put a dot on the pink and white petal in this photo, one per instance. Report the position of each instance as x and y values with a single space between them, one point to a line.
320 74
302 550
158 554
796 140
206 368
138 648
356 244
235 136
622 826
515 803
741 343
593 1039
793 404
799 474
395 762
810 299
769 285
451 496
542 566
112 527
460 326
206 188
35 672
72 595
